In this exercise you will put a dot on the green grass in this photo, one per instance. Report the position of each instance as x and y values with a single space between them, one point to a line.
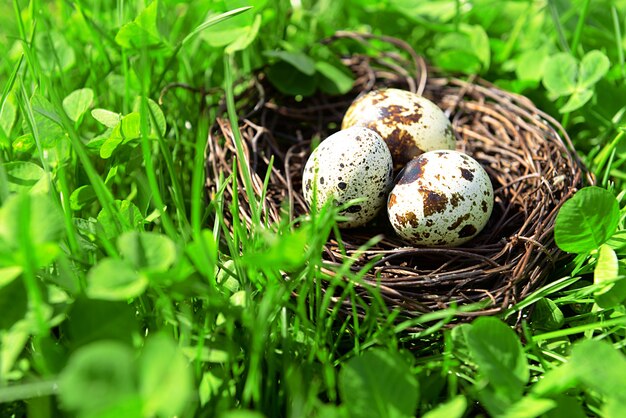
124 293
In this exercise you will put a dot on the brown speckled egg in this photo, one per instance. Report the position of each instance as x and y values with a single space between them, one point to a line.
409 123
442 198
350 164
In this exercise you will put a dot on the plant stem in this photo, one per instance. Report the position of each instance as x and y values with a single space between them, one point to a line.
28 391
557 24
618 41
234 126
580 26
67 210
198 176
604 155
580 329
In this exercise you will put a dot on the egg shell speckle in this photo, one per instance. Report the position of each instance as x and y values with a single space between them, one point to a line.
409 123
352 163
442 198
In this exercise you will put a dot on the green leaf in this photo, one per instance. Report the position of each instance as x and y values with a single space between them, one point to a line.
214 20
127 130
43 107
203 253
334 80
612 409
54 53
289 81
226 33
44 253
114 280
466 50
499 356
439 11
25 177
616 295
8 274
8 114
86 229
607 270
495 401
287 251
47 122
131 407
209 387
53 355
587 220
299 60
480 44
617 240
147 250
12 343
106 117
97 377
82 196
576 100
459 342
114 171
92 320
247 38
239 299
77 103
13 302
564 76
601 368
129 127
23 144
547 315
165 378
128 210
141 32
556 381
31 224
593 67
454 408
225 277
378 383
432 382
109 146
560 74
567 407
159 117
456 60
529 407
530 64
332 411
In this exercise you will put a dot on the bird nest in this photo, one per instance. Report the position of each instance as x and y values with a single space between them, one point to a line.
527 154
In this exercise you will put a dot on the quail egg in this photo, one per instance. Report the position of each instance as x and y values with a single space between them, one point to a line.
409 123
441 198
352 163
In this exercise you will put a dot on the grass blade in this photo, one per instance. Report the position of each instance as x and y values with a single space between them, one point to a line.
580 25
212 21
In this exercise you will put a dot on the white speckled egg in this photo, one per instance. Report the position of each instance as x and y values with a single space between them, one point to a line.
442 198
352 163
409 123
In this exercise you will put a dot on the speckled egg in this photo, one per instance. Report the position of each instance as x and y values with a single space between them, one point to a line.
352 163
409 123
442 198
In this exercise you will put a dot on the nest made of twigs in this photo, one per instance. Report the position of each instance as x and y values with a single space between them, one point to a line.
527 154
